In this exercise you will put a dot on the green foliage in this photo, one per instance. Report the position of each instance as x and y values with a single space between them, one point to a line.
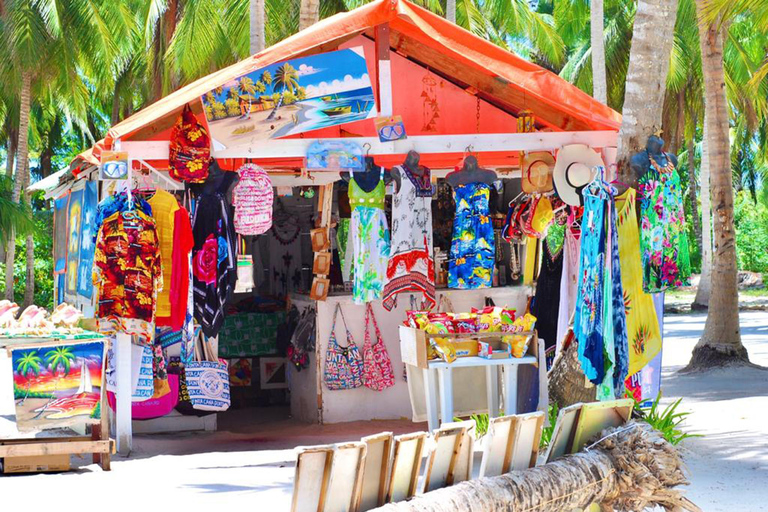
21 393
549 428
43 252
751 221
667 420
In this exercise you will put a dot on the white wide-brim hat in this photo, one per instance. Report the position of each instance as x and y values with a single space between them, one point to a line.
575 167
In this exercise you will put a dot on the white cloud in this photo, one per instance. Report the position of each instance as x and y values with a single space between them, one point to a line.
305 70
348 84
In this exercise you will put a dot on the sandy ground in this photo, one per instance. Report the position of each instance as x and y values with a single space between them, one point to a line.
254 466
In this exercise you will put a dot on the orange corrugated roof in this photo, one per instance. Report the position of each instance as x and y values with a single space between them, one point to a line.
538 84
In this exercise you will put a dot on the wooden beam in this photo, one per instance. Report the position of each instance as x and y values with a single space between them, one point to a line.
431 144
383 69
37 448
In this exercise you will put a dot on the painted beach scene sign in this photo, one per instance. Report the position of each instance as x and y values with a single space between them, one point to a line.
290 97
57 386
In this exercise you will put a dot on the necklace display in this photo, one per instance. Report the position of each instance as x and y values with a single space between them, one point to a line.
290 239
663 170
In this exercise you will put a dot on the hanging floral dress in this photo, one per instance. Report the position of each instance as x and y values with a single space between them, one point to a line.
644 337
411 267
472 249
368 244
569 280
663 240
588 318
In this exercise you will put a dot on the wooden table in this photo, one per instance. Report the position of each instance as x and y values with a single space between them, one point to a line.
440 374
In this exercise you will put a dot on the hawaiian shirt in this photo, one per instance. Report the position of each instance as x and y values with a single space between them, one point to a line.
117 203
128 268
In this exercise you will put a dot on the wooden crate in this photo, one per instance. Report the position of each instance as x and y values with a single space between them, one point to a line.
414 343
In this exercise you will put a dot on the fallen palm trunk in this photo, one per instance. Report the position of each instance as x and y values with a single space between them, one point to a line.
567 383
630 470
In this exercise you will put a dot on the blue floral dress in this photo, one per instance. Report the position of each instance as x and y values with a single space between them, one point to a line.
472 249
588 320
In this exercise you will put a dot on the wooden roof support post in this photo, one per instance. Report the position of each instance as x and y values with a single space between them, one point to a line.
383 69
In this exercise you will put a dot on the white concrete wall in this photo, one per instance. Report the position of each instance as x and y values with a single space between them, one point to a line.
393 403
303 384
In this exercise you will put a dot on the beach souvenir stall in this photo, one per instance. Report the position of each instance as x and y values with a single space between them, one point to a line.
410 168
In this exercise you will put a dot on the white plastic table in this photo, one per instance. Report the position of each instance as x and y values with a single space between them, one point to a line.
442 373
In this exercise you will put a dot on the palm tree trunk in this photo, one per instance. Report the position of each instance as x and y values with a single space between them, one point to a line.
701 301
634 469
258 26
646 79
22 170
13 142
597 29
309 13
450 11
29 290
692 185
720 344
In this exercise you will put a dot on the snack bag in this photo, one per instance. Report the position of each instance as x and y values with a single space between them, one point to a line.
442 349
519 344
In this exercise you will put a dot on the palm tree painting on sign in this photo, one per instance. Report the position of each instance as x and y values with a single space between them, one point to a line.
291 97
57 386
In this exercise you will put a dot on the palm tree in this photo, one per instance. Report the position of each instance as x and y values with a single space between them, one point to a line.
286 79
309 13
450 10
60 357
257 34
29 364
646 77
599 84
703 291
720 342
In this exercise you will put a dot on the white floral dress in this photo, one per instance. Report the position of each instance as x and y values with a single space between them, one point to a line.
368 243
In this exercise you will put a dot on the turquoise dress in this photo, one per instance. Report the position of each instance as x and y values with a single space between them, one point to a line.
472 249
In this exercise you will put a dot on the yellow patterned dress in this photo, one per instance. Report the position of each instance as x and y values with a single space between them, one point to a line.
643 332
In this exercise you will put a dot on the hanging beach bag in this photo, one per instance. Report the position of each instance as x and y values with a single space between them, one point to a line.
343 365
253 198
303 339
190 149
377 367
207 383
143 385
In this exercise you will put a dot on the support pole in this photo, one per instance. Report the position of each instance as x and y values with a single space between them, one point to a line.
383 69
123 430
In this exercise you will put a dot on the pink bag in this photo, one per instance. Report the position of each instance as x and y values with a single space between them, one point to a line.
253 197
154 407
377 367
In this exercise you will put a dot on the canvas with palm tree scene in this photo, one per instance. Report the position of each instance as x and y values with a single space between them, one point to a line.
294 96
57 386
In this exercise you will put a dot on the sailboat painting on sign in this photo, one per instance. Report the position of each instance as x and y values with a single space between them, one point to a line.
56 386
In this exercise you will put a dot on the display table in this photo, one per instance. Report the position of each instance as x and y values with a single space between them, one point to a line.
441 373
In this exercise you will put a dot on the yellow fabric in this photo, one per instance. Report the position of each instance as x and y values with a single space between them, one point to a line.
643 332
542 216
164 207
531 260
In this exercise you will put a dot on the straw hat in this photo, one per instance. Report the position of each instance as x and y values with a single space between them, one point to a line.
537 172
576 167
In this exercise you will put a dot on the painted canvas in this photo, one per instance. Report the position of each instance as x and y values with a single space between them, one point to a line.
294 96
85 268
74 232
60 213
58 385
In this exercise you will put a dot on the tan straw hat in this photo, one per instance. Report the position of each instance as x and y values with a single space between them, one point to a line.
537 172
